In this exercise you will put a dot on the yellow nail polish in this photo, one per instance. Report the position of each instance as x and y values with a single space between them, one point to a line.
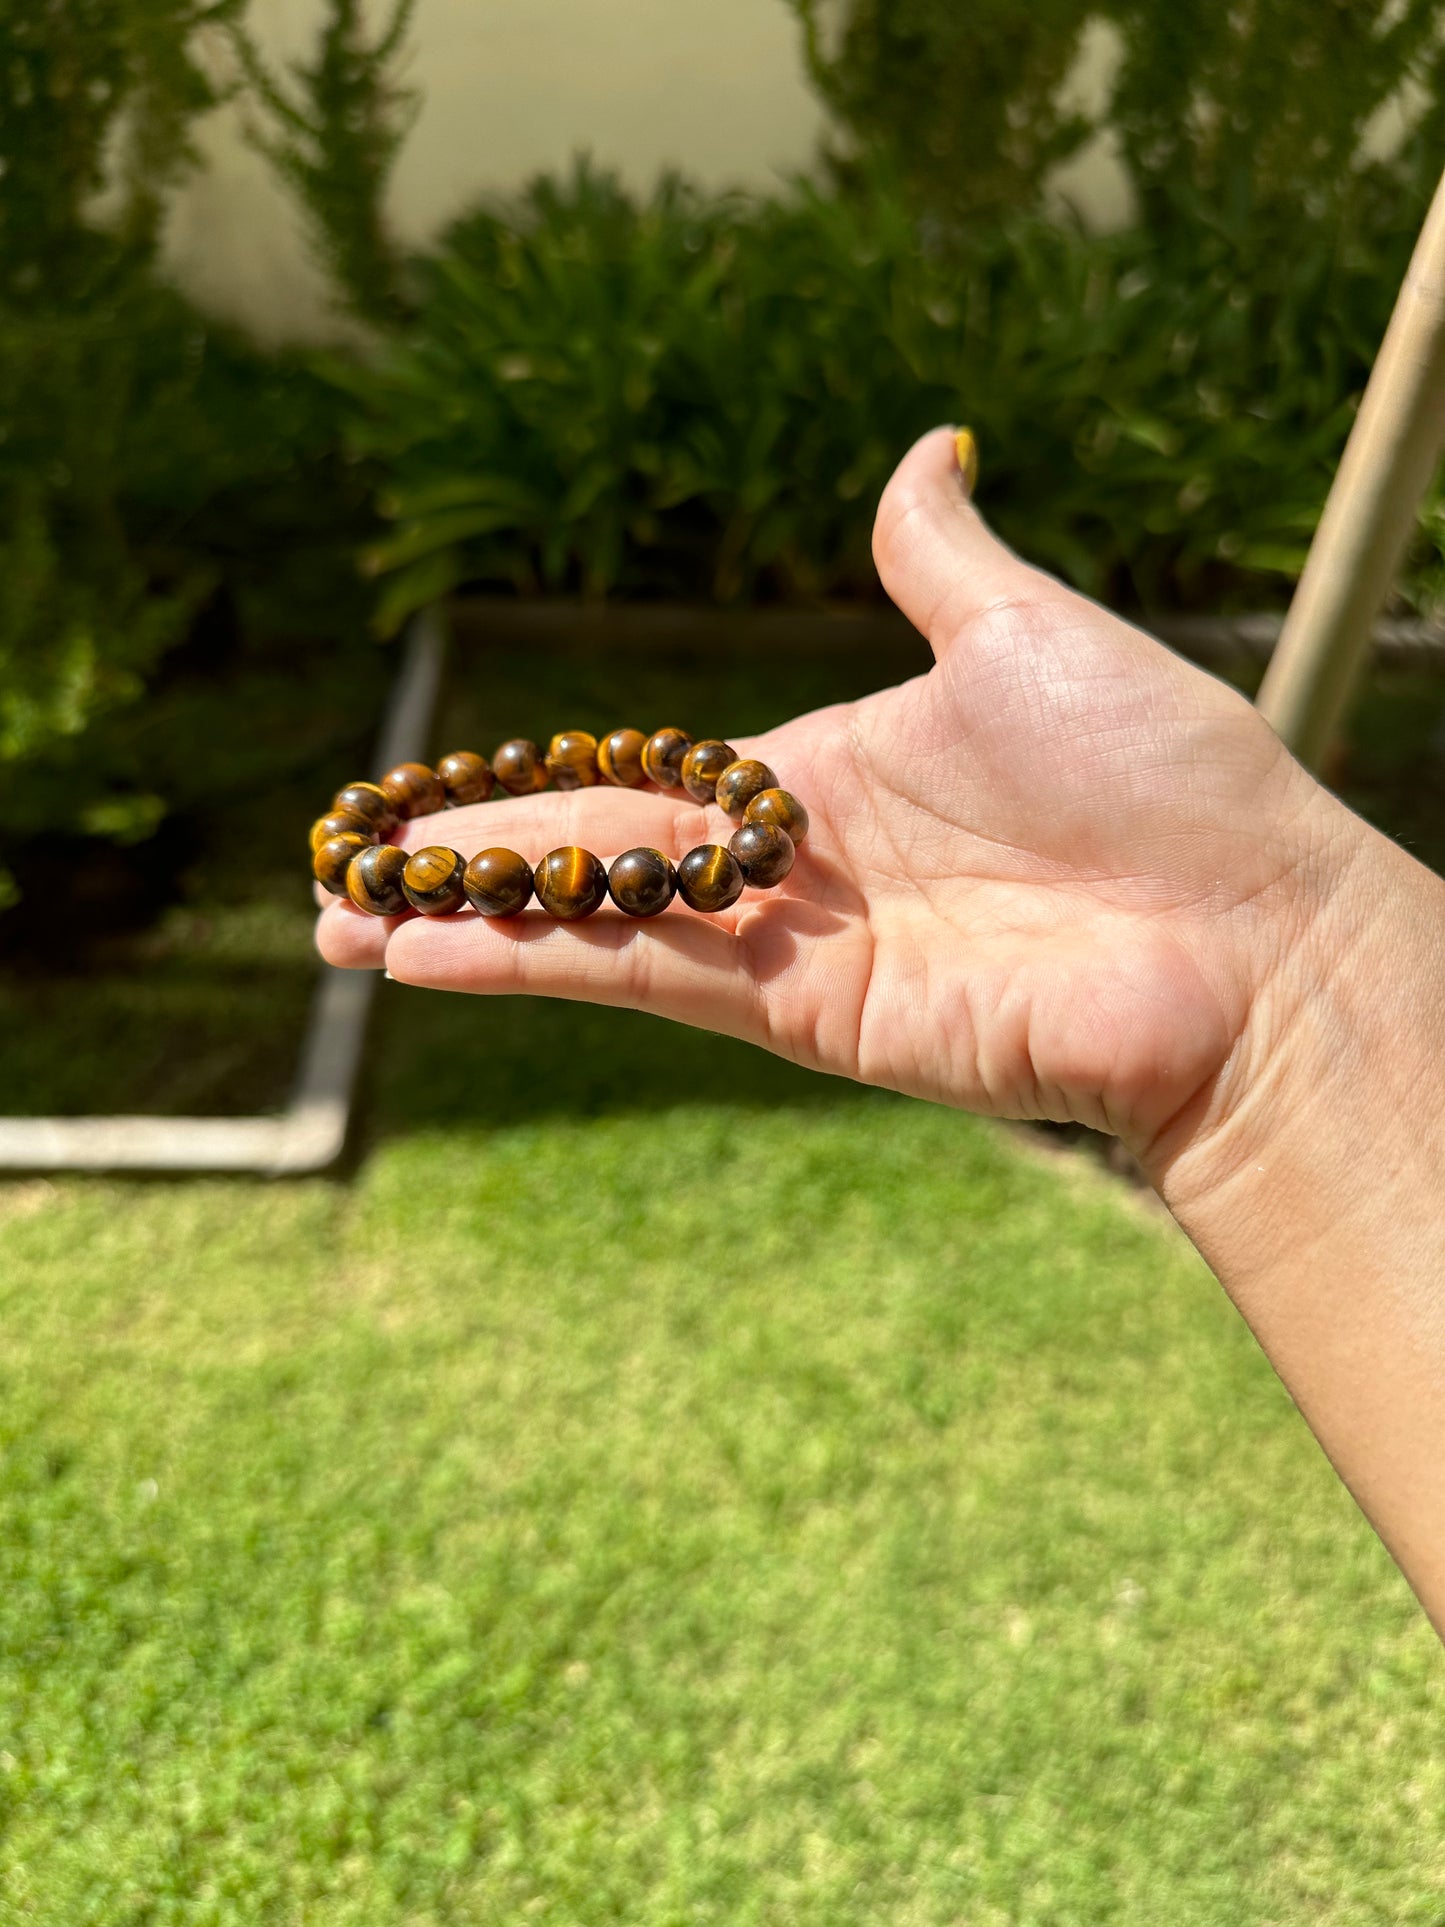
966 449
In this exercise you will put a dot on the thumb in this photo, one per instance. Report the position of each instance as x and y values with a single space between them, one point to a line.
936 556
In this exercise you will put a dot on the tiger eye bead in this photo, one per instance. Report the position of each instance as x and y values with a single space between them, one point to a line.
619 758
739 783
432 881
764 854
337 823
780 808
703 764
572 760
662 757
371 801
466 777
642 882
709 878
333 859
519 768
413 790
373 881
498 883
571 883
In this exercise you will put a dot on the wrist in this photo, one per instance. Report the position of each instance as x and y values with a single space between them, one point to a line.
1344 1047
1314 1190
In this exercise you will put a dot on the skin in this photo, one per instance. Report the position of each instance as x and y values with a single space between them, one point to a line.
1066 874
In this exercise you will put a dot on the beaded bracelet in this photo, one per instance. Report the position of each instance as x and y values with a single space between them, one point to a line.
352 858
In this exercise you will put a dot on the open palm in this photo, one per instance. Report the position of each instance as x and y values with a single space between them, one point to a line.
1051 878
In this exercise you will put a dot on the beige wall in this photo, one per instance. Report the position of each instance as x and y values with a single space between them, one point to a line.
507 87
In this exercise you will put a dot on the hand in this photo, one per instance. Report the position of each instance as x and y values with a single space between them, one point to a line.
1066 875
1055 877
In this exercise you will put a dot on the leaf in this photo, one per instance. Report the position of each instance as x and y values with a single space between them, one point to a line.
407 500
415 587
1274 558
425 536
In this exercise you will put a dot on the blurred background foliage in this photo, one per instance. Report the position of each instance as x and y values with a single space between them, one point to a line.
333 130
165 484
681 397
1255 117
680 394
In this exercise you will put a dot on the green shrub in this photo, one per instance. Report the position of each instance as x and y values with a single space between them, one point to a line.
579 405
608 395
1256 114
149 460
82 618
95 98
961 95
1251 116
89 97
333 132
151 463
620 396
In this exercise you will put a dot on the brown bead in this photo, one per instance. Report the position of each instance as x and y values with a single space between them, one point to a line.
519 768
764 854
703 764
373 881
572 760
780 808
413 790
371 801
571 883
337 823
333 859
432 881
709 878
662 757
466 777
642 882
739 783
619 758
498 883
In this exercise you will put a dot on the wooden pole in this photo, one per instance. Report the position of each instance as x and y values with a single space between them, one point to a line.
1387 465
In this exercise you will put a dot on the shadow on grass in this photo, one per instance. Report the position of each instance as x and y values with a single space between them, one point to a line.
444 1062
183 1026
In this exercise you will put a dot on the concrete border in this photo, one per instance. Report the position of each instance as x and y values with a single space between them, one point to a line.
310 1133
1402 642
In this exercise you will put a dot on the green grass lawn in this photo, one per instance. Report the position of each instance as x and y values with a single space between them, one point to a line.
700 1494
652 1485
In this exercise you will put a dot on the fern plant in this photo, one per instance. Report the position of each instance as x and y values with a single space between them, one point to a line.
606 395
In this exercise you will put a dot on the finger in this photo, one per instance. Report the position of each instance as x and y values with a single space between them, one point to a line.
936 557
604 820
352 939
